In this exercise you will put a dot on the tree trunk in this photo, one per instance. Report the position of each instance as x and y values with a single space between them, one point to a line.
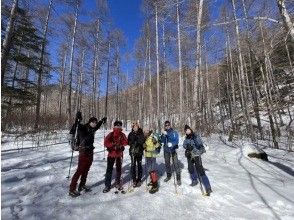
197 84
242 81
157 71
180 63
71 66
288 24
40 71
95 71
7 42
61 85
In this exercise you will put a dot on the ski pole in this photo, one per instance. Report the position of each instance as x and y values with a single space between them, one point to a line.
173 171
199 178
70 164
146 174
130 176
103 144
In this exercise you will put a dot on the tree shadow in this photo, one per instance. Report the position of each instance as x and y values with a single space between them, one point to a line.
253 177
283 167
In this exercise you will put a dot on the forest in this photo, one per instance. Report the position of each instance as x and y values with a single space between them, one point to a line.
224 67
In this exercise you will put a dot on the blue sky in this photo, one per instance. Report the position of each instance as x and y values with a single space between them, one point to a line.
125 15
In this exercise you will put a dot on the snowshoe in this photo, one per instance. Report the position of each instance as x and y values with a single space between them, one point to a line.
153 190
207 193
106 189
194 183
150 184
167 179
120 189
74 193
86 188
138 184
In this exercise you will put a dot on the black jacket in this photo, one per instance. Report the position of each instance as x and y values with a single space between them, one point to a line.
136 141
86 133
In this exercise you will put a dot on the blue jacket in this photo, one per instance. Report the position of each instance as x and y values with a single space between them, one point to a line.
194 144
171 137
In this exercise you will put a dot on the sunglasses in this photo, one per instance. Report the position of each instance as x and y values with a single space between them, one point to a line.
167 125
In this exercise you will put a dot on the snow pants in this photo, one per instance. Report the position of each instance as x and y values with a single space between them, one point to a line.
84 164
196 171
167 158
136 167
110 164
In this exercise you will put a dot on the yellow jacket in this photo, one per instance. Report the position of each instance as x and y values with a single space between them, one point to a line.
150 147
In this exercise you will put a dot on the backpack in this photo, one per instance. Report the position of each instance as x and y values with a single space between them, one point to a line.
200 149
74 140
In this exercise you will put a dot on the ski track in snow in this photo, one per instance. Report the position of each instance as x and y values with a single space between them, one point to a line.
34 186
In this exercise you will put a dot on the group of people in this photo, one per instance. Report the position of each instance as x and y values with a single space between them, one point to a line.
141 143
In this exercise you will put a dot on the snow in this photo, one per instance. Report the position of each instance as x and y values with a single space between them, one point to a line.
34 186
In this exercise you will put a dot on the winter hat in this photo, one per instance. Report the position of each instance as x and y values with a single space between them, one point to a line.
187 127
93 119
167 123
117 124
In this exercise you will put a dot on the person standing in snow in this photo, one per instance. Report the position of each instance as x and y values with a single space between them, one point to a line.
136 140
194 149
170 141
85 141
151 149
115 143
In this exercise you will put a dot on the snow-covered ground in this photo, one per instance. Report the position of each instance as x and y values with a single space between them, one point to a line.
34 186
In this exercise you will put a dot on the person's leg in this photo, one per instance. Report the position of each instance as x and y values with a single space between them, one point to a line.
154 177
168 170
79 171
176 167
201 172
140 168
133 168
118 164
108 175
192 172
89 161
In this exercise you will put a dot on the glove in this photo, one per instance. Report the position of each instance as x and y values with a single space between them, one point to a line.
104 120
189 147
169 144
188 153
119 148
109 149
157 150
79 116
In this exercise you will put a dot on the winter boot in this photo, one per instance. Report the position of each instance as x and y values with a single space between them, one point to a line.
194 179
74 193
154 180
134 183
106 189
206 184
86 188
138 183
167 178
154 188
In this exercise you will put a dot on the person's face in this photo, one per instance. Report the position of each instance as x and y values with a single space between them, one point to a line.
188 131
146 132
93 124
167 126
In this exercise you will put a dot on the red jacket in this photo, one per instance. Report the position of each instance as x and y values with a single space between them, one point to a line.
115 142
